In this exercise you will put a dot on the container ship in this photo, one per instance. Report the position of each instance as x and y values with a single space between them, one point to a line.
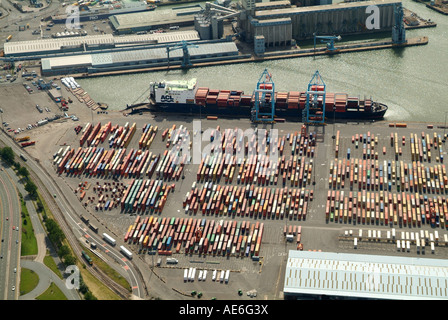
186 97
88 14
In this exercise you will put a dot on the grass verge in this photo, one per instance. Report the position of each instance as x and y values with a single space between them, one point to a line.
52 293
29 242
112 273
28 280
49 262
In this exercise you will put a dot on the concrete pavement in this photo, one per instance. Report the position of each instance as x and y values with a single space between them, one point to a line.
46 277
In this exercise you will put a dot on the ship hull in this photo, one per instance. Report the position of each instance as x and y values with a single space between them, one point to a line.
245 112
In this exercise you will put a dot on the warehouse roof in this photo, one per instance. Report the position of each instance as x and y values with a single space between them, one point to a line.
365 276
152 18
136 56
335 6
55 45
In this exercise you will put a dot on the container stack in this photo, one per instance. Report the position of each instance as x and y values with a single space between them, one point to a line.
386 208
340 102
253 201
148 135
142 195
329 102
201 96
223 97
293 100
212 97
196 236
281 99
85 134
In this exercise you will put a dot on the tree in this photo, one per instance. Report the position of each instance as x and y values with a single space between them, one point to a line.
63 251
24 172
69 260
7 155
31 188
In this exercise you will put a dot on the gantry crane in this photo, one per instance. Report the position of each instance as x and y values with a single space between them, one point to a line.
186 56
314 112
330 43
264 96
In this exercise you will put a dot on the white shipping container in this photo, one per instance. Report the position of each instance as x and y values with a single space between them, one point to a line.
422 234
379 235
214 275
374 234
190 273
398 245
431 237
436 235
360 234
393 233
432 247
200 275
185 275
355 243
445 238
221 277
408 245
193 274
227 276
204 275
109 239
426 235
388 235
369 234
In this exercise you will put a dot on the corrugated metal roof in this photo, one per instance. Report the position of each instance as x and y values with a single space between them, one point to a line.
54 45
367 276
136 56
149 18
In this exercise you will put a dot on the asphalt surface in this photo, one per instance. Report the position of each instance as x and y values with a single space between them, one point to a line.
10 245
71 208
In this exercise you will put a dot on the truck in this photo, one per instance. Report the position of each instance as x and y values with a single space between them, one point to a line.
126 252
109 239
93 227
23 157
171 260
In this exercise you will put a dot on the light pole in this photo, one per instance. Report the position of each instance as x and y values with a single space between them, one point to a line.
444 127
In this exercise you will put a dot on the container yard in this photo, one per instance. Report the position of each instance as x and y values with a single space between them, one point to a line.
191 187
233 211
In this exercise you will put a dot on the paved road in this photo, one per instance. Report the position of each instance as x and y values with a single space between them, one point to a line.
10 245
46 277
70 206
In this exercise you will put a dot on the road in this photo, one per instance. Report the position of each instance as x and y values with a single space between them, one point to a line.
66 208
10 245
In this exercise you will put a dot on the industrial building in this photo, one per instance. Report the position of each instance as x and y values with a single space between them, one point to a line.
339 18
134 59
150 20
318 275
84 44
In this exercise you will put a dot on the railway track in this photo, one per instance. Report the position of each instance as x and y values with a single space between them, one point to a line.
60 218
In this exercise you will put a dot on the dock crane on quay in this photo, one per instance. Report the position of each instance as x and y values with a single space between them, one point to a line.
186 63
264 96
330 43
